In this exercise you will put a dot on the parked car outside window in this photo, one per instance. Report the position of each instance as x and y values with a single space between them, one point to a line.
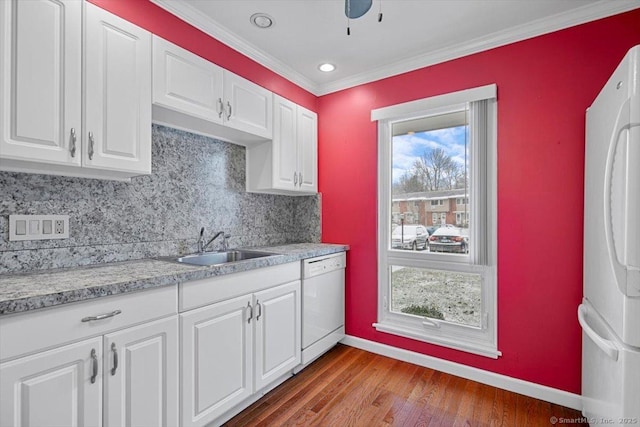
449 239
412 236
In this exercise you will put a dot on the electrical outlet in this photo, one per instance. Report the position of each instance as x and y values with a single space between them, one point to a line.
38 227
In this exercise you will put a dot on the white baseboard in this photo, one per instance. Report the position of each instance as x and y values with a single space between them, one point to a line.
504 382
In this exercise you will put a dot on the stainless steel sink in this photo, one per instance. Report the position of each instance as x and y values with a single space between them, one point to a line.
215 258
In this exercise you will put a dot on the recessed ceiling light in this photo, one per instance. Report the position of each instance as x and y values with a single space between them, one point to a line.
261 20
326 67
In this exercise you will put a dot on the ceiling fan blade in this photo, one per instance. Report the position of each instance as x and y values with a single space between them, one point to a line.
356 8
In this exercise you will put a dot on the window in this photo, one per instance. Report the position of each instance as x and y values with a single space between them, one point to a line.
462 219
441 291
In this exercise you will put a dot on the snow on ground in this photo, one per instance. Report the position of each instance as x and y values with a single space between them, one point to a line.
456 295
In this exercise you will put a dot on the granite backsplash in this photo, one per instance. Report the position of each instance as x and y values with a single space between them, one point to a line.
195 182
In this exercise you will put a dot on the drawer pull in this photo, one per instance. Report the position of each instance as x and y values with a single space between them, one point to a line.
72 146
91 142
220 108
259 310
94 366
101 316
115 358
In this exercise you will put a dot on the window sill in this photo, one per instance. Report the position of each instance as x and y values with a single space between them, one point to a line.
480 349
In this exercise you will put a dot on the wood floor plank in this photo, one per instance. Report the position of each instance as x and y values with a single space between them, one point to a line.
464 414
415 388
328 366
351 387
351 402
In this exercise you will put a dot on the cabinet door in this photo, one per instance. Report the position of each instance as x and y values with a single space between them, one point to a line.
278 333
40 84
117 61
53 388
307 135
141 375
186 82
216 359
248 107
285 171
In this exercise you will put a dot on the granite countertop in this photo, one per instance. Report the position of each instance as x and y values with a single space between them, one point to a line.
29 291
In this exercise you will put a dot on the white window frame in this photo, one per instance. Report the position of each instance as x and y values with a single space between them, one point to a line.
482 257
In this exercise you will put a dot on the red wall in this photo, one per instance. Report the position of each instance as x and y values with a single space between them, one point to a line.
544 86
160 22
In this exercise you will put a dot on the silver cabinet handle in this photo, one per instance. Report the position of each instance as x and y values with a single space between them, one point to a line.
300 179
72 146
115 358
94 365
90 145
101 316
220 108
295 179
250 312
259 310
229 114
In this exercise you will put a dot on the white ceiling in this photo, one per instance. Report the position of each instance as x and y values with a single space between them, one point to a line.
413 33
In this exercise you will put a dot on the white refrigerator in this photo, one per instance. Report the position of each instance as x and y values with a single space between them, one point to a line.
610 311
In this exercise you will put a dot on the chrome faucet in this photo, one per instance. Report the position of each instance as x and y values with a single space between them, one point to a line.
202 247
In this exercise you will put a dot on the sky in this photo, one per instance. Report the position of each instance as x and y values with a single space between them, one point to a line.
407 148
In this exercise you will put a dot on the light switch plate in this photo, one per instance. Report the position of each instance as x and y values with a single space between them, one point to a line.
38 227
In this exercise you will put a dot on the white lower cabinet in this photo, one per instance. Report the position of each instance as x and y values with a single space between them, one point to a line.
114 361
233 349
277 332
113 376
216 359
141 375
53 388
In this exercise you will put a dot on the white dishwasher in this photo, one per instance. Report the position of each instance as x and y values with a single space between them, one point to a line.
322 304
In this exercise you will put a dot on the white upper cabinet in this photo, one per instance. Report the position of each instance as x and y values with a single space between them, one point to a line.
186 82
40 90
248 107
193 94
285 145
289 163
307 149
117 61
50 75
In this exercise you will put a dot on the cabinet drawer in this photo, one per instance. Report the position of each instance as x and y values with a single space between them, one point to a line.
199 293
38 330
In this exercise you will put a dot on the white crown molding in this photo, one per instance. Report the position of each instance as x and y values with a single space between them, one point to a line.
195 18
581 15
515 385
587 13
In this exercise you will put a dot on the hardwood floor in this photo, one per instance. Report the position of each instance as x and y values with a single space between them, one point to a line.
352 387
